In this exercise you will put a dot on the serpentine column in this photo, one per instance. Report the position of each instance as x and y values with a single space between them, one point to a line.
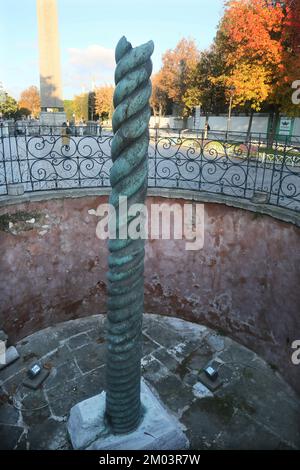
128 178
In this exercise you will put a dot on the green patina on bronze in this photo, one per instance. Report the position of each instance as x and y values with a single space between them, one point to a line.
129 177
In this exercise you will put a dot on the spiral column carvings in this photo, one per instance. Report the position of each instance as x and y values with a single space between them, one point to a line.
128 177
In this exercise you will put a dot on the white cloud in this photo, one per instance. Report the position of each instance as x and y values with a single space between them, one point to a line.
92 56
93 64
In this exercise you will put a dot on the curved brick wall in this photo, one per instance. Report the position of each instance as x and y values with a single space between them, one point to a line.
245 281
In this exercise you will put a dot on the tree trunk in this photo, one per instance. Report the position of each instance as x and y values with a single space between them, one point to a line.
272 131
160 114
249 126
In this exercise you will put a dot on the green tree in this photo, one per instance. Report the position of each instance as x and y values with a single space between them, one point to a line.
21 113
81 106
8 107
69 108
205 88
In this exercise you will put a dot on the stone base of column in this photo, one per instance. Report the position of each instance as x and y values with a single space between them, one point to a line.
159 430
52 119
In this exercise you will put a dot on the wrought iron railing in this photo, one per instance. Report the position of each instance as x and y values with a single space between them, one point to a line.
244 166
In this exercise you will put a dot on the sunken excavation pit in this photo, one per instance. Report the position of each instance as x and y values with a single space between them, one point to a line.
235 301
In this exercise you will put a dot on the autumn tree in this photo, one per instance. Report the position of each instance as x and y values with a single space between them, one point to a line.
159 99
289 69
251 31
177 72
205 88
30 99
256 41
104 101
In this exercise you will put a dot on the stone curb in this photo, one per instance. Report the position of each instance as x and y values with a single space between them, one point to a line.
279 213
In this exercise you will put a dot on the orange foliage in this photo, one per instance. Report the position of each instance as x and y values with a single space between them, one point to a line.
159 96
289 69
253 29
178 66
30 99
262 40
104 101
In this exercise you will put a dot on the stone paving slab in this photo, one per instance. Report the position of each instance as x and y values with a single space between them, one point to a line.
253 409
165 358
51 435
90 356
8 414
247 428
149 346
78 341
62 373
67 394
164 336
9 436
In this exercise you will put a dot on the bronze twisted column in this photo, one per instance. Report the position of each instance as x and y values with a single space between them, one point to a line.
128 178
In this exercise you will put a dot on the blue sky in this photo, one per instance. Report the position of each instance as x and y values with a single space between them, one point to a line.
89 31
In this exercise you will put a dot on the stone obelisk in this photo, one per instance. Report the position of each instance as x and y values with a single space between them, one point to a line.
52 108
